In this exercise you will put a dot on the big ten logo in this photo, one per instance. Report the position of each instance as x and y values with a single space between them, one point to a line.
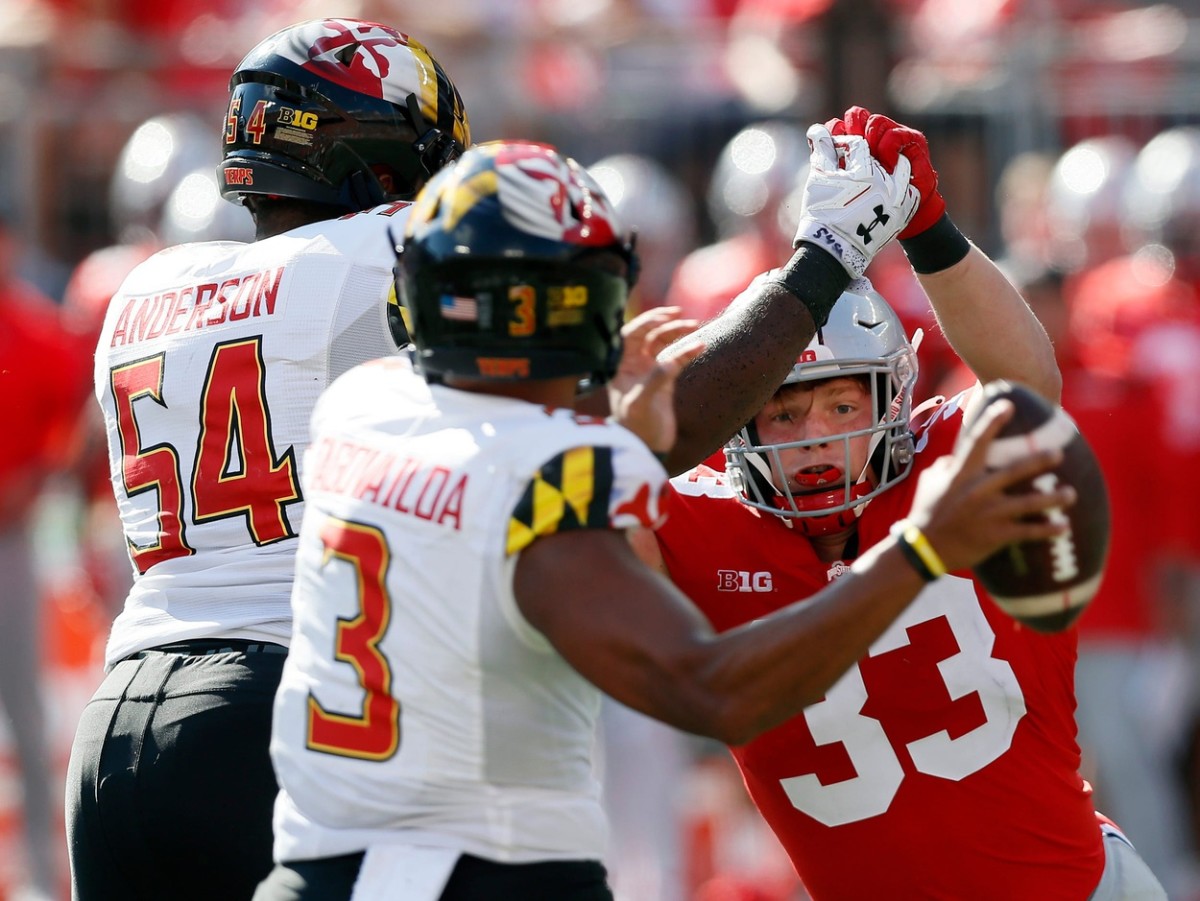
735 580
566 305
289 116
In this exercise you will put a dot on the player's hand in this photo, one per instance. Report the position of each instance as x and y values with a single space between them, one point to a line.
962 507
852 205
641 394
888 141
643 338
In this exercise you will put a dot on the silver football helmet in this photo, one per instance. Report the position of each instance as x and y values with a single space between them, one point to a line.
864 337
1162 198
196 211
651 199
755 180
1083 201
160 152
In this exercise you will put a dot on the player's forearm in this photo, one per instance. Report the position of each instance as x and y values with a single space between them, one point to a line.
736 685
762 673
749 350
635 636
990 326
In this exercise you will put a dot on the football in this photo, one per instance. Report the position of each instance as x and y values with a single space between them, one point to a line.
1047 584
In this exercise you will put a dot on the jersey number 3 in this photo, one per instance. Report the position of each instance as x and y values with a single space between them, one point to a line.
235 472
839 717
372 732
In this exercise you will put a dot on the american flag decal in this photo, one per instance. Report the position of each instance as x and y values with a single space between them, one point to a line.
464 309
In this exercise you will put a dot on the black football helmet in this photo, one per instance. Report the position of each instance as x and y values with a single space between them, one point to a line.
320 110
515 266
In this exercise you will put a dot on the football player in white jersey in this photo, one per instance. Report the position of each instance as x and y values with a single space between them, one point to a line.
464 585
210 359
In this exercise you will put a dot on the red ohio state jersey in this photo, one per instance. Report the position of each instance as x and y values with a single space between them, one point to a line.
943 765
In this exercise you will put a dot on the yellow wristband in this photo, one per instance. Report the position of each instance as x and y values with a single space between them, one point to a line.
915 538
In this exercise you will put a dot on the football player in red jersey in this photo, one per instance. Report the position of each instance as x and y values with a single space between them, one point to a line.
492 591
943 764
208 362
1133 340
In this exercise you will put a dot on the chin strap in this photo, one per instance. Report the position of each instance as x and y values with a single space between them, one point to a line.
811 523
830 522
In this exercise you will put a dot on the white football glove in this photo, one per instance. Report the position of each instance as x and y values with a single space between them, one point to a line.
853 209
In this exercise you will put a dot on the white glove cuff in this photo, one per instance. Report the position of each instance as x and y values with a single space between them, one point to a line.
834 243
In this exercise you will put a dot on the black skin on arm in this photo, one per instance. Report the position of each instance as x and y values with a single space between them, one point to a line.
750 349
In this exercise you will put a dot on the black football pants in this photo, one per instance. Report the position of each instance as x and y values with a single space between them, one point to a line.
170 788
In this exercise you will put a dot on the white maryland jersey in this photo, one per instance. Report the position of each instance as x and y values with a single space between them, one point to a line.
417 705
211 358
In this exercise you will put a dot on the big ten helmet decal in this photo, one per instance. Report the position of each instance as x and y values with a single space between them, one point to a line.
340 112
863 338
515 266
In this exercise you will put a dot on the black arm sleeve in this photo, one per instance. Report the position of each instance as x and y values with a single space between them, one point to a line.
750 348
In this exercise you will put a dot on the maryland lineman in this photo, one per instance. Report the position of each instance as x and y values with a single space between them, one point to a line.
210 359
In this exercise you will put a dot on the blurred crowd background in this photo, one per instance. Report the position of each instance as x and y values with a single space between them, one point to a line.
1067 137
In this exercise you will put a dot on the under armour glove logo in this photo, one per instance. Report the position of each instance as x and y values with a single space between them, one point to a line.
864 231
845 187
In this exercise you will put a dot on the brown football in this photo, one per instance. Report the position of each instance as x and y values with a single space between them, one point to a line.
1047 584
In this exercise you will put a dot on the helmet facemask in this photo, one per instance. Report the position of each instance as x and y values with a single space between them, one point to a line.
865 324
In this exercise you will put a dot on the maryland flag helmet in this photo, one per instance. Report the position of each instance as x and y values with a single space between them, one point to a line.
321 110
515 266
